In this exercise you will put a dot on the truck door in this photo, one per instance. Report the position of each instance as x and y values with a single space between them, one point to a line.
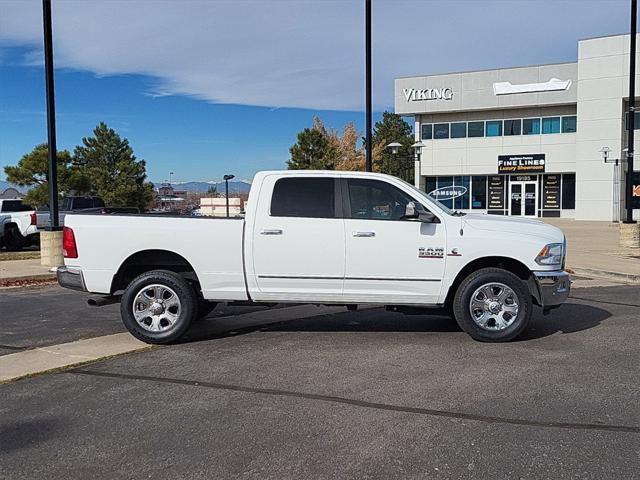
389 258
299 239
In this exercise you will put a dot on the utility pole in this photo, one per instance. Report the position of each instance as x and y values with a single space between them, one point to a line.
52 178
367 35
226 189
632 109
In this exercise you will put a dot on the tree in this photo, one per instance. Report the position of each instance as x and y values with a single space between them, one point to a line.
313 150
32 171
350 156
392 128
212 190
113 170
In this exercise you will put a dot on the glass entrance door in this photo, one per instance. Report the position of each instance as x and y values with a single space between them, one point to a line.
523 198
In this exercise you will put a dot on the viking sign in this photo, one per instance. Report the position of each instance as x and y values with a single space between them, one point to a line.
447 193
417 95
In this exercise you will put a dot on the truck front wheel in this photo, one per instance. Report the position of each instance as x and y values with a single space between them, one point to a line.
158 306
493 305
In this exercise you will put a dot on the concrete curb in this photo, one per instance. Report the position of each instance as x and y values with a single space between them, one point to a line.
44 359
617 276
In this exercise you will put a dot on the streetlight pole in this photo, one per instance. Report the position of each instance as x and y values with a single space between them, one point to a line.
226 189
367 35
171 174
632 109
54 224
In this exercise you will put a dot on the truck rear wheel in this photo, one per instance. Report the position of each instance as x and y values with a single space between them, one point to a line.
158 307
13 239
493 305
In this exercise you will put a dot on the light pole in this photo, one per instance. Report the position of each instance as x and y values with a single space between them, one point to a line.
632 109
417 152
367 43
54 224
226 189
171 174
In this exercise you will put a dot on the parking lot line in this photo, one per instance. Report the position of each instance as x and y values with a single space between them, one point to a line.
365 404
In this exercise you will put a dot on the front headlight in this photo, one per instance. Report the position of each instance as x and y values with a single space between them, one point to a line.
551 254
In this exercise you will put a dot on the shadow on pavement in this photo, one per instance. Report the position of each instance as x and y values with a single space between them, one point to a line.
570 318
20 434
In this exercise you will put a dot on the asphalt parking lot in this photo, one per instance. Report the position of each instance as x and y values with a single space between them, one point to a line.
367 394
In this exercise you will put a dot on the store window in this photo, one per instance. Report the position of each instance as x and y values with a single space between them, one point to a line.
493 128
459 130
479 192
569 124
441 130
430 184
462 202
512 127
445 182
551 125
531 126
569 191
636 120
475 129
427 131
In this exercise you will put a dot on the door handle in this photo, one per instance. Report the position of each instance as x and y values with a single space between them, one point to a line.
271 231
364 234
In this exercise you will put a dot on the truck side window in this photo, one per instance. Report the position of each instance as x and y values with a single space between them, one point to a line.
311 197
376 200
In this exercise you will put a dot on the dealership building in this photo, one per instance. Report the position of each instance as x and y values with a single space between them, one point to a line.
527 141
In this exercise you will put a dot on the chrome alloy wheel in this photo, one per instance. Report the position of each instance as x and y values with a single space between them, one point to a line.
494 306
156 308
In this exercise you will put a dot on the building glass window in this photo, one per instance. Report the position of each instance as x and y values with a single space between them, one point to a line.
493 128
512 127
303 197
462 202
569 124
430 184
551 125
427 131
636 120
479 192
475 129
446 182
459 130
531 126
441 130
568 191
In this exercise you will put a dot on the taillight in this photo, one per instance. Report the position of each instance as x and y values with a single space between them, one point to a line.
34 219
69 248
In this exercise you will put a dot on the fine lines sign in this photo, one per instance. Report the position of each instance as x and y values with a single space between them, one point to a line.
533 163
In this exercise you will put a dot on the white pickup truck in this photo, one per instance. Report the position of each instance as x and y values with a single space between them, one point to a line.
320 237
17 225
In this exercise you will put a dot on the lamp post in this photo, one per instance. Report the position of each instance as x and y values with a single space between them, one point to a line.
367 47
629 231
632 109
171 174
417 153
226 189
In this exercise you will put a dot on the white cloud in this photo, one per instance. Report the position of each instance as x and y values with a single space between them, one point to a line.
302 53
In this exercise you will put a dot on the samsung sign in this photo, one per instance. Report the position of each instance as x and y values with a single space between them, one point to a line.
447 193
418 95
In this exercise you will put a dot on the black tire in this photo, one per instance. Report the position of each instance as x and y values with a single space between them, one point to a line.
490 333
205 307
13 239
184 314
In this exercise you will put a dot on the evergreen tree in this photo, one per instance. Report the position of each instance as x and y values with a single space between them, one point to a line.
313 150
32 171
392 128
114 172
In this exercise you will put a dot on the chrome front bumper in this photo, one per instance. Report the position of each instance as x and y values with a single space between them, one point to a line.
69 277
553 287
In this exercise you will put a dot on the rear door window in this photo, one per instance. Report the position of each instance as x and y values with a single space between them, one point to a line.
312 197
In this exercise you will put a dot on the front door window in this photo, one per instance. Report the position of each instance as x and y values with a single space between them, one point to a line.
523 198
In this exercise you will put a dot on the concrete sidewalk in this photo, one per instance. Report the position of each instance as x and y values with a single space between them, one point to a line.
594 250
21 271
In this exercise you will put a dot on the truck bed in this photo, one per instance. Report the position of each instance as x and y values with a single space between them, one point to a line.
212 246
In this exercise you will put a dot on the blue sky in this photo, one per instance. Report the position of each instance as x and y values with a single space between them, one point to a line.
208 87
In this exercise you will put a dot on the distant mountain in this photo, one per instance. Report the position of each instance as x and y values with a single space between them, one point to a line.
239 186
4 185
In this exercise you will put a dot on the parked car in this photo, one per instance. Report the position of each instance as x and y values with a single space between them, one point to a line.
17 225
76 204
320 237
